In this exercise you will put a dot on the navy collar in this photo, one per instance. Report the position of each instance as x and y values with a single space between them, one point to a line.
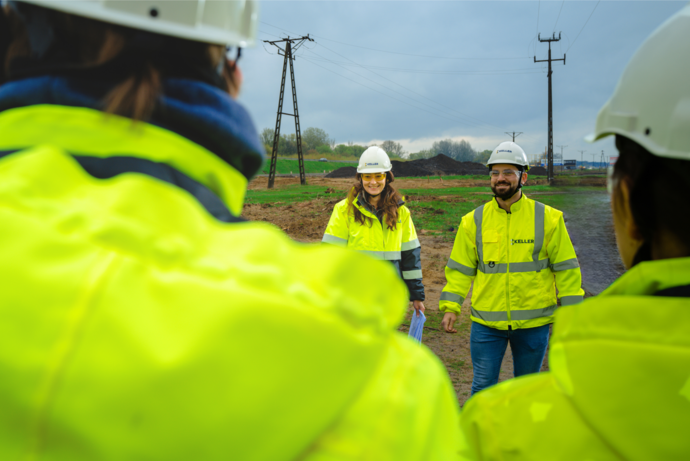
200 112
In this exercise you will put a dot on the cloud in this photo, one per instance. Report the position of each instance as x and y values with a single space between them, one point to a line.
415 145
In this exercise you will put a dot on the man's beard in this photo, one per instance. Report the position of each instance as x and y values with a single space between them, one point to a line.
507 194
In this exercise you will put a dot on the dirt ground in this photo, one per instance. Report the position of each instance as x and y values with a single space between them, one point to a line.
306 222
343 184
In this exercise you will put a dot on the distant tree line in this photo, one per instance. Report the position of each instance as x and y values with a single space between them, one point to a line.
316 141
461 151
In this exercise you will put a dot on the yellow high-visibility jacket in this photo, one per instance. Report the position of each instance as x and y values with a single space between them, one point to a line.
516 260
618 385
400 246
135 325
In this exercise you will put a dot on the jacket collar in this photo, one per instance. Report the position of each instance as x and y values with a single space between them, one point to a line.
85 132
649 277
362 202
192 109
514 208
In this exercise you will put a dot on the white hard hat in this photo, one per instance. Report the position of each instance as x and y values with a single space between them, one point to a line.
220 22
651 103
509 152
374 160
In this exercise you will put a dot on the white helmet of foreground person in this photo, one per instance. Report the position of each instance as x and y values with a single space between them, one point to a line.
509 152
651 103
218 22
374 160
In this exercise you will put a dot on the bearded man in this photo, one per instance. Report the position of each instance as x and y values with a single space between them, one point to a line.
520 257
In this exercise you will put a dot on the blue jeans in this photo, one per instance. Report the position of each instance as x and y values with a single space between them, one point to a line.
488 346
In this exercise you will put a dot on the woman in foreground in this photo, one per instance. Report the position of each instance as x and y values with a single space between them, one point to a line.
142 318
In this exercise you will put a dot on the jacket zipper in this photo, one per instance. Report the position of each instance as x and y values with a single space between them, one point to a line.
383 238
508 269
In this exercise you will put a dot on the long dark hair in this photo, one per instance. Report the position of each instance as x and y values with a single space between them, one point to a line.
658 195
131 61
388 203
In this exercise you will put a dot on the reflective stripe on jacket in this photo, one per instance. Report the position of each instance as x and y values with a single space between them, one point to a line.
618 386
400 246
516 260
135 325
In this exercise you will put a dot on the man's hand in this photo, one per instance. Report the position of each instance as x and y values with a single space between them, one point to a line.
418 306
448 322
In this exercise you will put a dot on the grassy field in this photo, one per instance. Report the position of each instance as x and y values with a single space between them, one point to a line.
287 166
437 211
303 213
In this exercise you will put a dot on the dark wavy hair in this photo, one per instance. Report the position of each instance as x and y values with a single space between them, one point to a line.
388 203
658 195
82 46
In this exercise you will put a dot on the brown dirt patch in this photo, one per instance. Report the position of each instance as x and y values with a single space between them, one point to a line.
344 184
302 221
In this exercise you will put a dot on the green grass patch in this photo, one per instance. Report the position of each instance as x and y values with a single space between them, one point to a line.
287 166
438 178
428 213
443 216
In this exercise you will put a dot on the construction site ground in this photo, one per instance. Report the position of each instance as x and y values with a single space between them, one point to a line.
437 206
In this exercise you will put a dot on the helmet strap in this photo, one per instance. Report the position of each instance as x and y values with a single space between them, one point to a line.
520 179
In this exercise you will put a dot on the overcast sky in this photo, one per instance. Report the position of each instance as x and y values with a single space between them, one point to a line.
417 72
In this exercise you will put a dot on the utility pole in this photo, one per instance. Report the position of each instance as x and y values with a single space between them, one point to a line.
603 164
561 156
582 156
288 52
593 155
513 134
550 153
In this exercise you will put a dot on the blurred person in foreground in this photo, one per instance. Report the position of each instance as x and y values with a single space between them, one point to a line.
374 220
142 318
619 379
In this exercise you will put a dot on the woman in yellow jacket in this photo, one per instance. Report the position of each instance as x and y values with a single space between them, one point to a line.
142 317
374 220
619 379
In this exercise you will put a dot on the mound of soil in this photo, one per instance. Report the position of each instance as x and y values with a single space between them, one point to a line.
440 165
538 171
344 172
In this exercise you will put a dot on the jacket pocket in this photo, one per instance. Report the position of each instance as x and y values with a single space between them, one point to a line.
491 243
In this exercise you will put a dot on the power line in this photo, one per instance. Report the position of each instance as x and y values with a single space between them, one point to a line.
399 53
387 95
583 27
438 113
401 86
410 90
268 33
559 16
524 70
